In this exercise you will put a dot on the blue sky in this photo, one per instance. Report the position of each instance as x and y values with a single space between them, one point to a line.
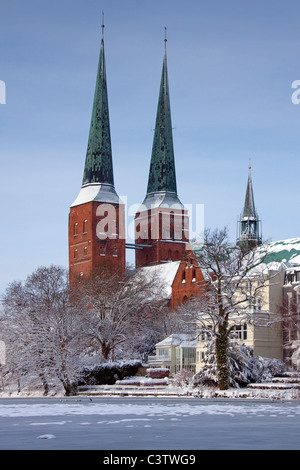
231 66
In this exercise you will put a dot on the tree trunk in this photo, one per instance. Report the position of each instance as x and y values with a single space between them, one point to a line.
222 358
105 350
70 388
45 383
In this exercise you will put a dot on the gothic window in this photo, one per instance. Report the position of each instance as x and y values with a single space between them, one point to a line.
183 276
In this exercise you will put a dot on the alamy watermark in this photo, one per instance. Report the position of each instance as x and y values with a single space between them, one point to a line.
296 94
137 221
2 92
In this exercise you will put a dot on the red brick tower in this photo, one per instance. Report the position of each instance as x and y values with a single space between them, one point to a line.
97 217
161 224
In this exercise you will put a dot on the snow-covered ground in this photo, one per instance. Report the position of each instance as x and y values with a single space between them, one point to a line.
161 388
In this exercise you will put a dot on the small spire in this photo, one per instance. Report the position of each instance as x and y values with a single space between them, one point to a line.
165 40
249 223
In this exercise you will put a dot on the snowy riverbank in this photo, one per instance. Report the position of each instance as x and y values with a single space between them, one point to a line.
264 391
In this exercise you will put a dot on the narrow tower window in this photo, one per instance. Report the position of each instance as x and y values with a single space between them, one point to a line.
85 226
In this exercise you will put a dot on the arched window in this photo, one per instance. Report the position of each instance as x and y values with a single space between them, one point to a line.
75 229
84 228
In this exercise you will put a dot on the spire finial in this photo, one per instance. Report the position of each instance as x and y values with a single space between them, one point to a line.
102 26
249 163
165 37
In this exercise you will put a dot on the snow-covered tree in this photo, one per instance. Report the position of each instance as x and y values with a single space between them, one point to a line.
116 310
243 365
234 282
43 333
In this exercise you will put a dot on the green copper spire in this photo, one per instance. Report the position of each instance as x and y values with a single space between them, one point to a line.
98 164
249 223
162 175
249 211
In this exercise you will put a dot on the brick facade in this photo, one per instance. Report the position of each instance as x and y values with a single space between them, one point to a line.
96 239
164 232
189 282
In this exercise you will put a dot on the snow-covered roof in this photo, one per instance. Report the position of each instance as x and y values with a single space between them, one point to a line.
183 340
273 256
164 272
99 192
281 254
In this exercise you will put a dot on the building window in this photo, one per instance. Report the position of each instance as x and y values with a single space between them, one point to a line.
115 252
75 229
75 254
206 335
194 275
85 251
163 353
84 228
102 250
255 304
240 331
183 276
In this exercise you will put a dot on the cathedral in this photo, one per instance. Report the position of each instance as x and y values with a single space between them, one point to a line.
97 232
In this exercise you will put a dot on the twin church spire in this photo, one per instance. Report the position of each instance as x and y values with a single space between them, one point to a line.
162 175
161 235
98 164
98 167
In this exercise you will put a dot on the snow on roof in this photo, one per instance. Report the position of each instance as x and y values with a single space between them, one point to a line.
274 256
165 272
100 192
281 254
184 340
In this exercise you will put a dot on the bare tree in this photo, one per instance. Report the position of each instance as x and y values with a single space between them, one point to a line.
43 332
116 309
234 282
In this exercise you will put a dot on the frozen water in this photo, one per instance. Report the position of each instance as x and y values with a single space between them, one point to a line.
145 423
